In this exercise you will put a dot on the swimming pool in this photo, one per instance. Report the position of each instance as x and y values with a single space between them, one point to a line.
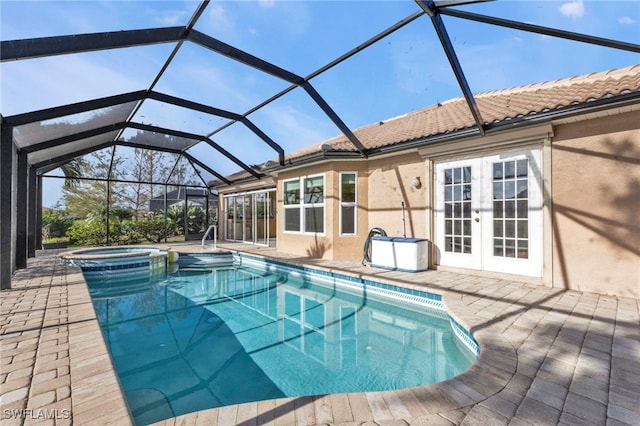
206 337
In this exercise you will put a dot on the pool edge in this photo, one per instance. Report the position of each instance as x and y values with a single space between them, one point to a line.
458 392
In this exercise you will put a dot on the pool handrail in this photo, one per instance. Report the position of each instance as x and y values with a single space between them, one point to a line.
215 236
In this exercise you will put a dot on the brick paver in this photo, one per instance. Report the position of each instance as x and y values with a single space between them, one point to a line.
549 356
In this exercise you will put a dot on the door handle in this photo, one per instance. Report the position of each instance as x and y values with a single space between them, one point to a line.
477 219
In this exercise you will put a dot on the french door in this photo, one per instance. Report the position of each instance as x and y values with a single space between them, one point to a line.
489 213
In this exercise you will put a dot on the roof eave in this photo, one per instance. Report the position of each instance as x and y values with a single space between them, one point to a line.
510 124
506 125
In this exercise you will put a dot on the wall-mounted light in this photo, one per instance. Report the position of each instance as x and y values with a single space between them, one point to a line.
415 182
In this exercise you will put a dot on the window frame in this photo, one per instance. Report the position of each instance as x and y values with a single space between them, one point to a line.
292 206
302 206
353 204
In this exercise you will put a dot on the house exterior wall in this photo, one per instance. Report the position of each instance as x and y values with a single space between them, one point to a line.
389 186
591 205
329 244
383 184
596 205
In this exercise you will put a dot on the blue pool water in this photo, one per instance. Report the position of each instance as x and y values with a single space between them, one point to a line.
202 338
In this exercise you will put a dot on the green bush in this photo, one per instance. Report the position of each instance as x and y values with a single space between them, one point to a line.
87 232
124 232
196 219
121 232
154 229
56 224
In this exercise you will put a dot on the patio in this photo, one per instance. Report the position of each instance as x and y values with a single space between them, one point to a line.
548 356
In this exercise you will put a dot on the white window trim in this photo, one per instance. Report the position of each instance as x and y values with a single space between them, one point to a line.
291 206
302 205
348 204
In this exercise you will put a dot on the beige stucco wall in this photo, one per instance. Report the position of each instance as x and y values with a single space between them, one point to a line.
383 184
390 185
314 245
596 205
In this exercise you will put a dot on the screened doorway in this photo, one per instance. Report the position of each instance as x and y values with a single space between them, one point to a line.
250 217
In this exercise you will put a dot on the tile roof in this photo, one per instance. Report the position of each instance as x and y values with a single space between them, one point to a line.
495 107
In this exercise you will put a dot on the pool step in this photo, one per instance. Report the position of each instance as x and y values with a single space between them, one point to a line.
205 260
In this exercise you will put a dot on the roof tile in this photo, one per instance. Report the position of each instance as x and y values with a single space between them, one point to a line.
495 106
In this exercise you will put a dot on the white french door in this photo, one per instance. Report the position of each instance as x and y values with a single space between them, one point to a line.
489 213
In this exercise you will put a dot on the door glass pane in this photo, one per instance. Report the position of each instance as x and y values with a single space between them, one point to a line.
466 247
248 218
523 231
466 174
511 209
239 221
522 168
448 177
230 207
466 209
466 192
523 249
497 209
510 189
261 217
509 247
509 169
457 187
497 171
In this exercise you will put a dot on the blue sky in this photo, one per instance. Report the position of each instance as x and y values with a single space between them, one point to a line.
404 72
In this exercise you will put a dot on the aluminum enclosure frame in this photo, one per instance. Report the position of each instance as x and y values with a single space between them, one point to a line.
20 221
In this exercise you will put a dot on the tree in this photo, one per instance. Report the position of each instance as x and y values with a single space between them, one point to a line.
72 172
154 167
89 197
147 167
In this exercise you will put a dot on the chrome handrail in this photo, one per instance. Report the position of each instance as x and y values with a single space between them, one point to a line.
215 236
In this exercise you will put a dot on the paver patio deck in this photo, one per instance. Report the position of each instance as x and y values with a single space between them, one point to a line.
548 356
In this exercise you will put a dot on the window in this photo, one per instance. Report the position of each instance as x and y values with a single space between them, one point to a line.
291 203
348 203
304 213
314 204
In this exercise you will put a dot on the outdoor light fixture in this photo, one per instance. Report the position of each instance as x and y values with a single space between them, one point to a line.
415 182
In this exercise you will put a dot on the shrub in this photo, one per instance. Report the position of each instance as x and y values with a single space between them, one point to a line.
56 224
87 232
154 229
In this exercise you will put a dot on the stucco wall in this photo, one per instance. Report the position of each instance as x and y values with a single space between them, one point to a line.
596 205
314 245
389 185
383 184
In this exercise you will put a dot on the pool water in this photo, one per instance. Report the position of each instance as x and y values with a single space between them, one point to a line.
205 338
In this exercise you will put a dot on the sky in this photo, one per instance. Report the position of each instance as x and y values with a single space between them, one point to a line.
403 72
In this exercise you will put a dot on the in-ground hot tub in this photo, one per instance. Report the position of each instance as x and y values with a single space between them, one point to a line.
129 262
